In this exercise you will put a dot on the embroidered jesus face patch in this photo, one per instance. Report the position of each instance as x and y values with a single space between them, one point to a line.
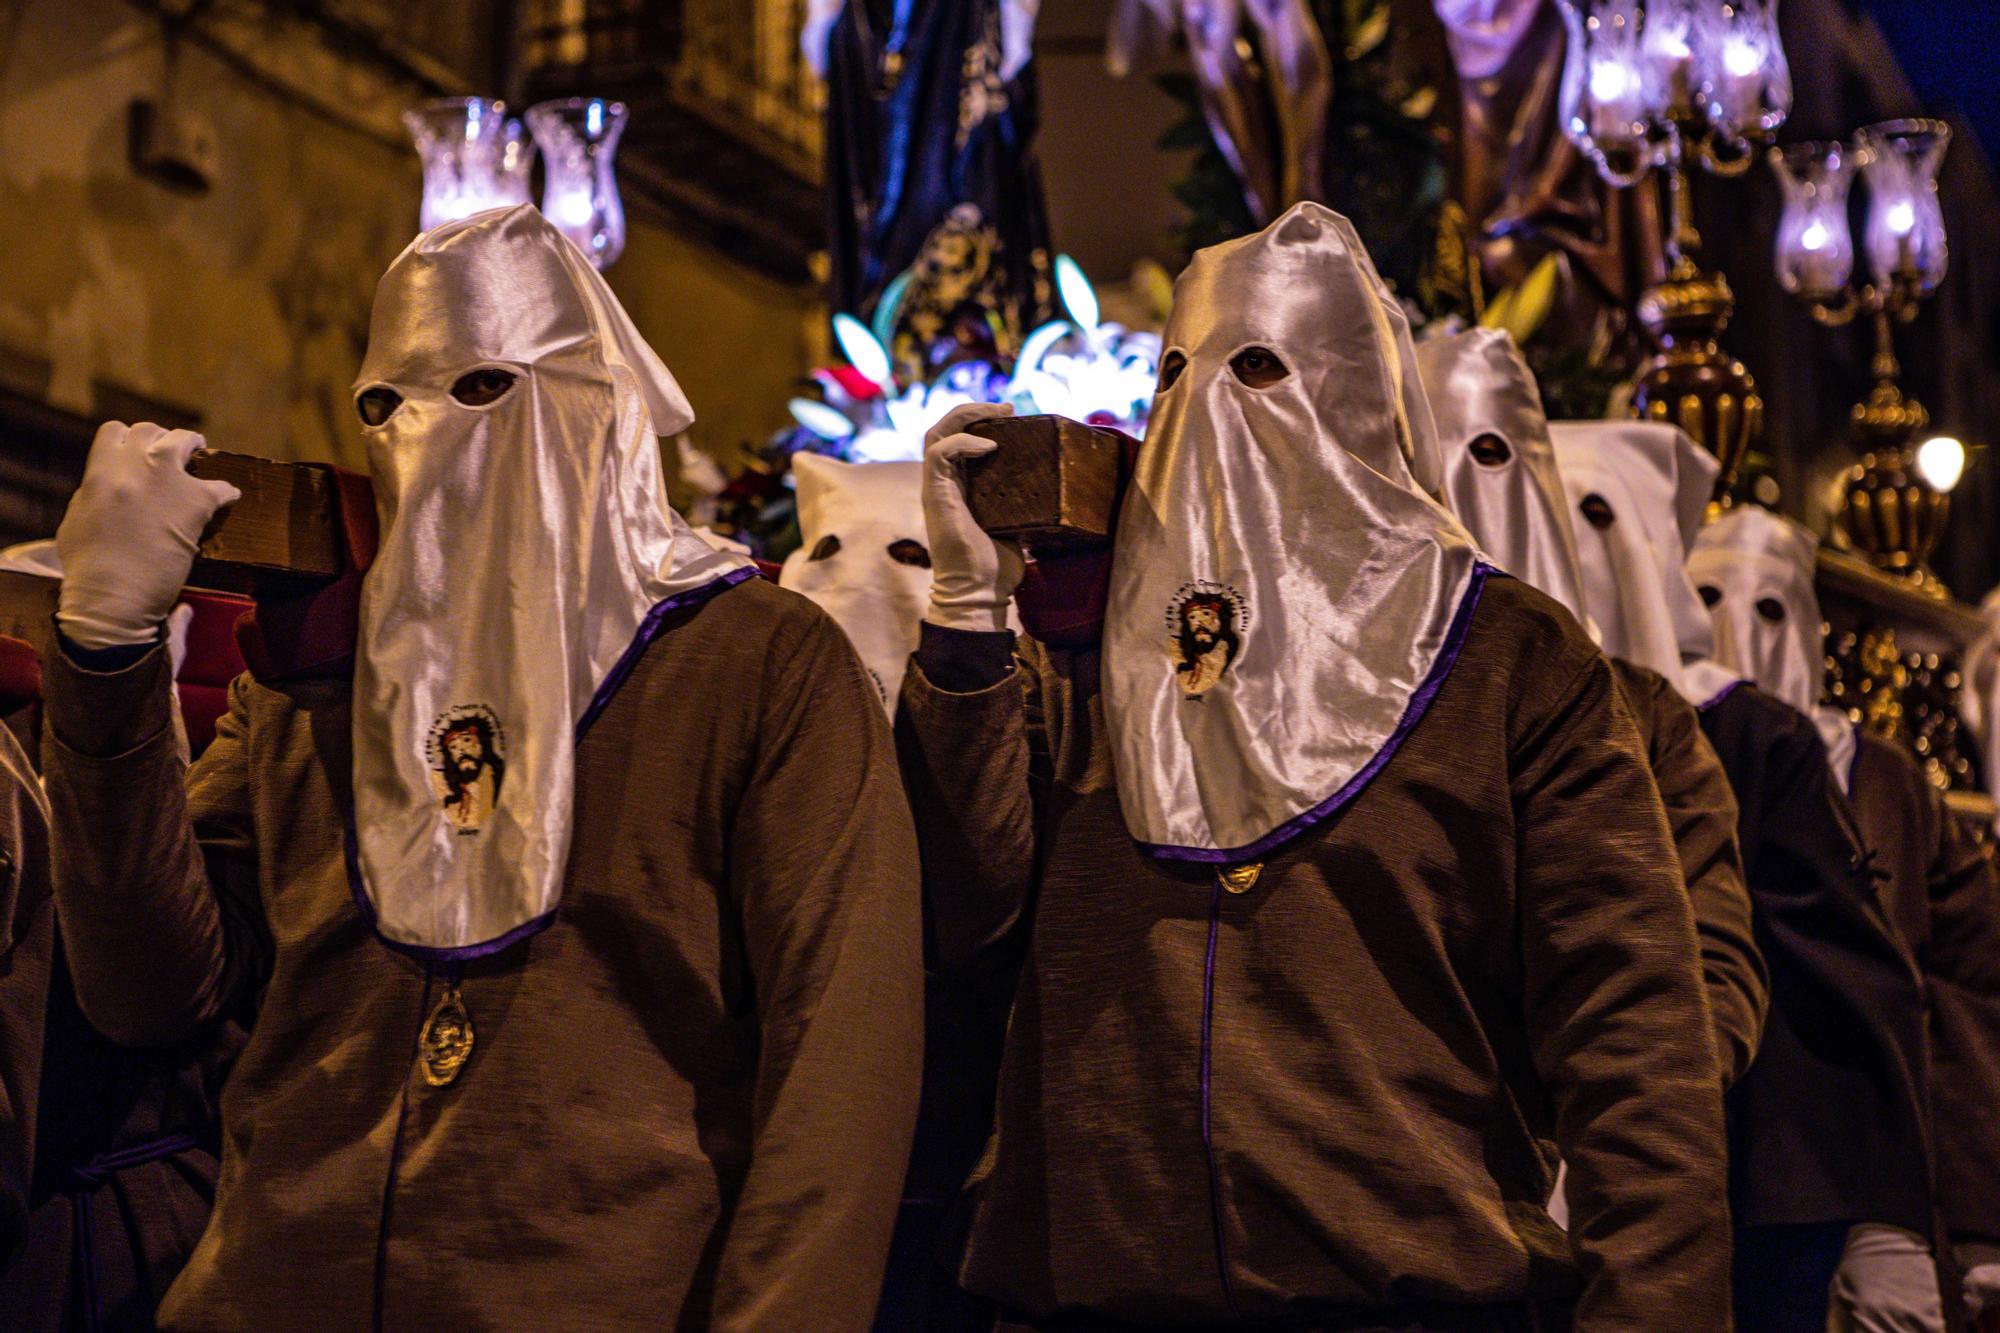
466 751
1205 626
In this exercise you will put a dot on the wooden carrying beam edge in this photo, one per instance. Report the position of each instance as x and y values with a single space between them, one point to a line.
284 534
1052 485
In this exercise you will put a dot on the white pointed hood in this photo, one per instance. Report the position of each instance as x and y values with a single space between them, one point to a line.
1637 493
863 558
1979 701
527 555
1499 467
1285 596
1755 569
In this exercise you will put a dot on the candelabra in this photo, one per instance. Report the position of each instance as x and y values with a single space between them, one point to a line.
1894 502
1659 85
476 157
579 139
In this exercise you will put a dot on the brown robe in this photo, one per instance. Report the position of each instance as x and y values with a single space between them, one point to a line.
689 1099
125 1139
1329 1095
1701 811
27 944
1939 887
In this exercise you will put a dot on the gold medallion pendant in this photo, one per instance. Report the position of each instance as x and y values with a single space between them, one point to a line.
1240 879
445 1044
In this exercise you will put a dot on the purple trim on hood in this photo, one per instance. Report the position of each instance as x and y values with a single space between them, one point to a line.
424 953
649 629
1413 713
1721 694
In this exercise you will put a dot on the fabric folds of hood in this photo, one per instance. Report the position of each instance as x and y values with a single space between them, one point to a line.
863 558
527 551
1637 493
1285 595
1499 467
1755 569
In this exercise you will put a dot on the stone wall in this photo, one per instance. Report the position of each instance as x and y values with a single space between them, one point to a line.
246 308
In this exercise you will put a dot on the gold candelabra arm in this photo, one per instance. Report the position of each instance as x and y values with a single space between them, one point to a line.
1835 313
1884 366
1683 240
1742 154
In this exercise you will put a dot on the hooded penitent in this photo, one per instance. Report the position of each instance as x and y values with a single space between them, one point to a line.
1285 597
1637 493
863 557
1754 569
1499 468
1979 701
527 554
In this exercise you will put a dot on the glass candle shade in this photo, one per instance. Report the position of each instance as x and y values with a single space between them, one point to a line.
1602 100
1815 250
474 157
1744 82
1904 237
579 139
1667 65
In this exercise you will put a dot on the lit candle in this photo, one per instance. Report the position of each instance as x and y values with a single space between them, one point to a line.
1815 250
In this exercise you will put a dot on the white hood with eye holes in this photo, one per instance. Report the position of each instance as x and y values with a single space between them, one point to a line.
1499 468
1285 594
1637 492
863 558
1754 569
527 556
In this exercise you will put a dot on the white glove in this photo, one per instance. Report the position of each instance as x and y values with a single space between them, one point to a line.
1886 1283
128 539
1981 1263
973 577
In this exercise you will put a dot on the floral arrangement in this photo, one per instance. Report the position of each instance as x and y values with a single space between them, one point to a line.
865 411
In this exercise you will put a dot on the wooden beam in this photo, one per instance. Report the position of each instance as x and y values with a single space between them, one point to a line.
1052 485
284 532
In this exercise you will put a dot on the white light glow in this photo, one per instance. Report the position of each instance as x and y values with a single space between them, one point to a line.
1610 80
1077 296
1815 236
1941 461
571 209
1901 218
862 351
1741 58
826 422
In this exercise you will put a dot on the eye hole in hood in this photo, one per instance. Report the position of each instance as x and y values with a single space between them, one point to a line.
1258 367
1597 511
1170 370
488 384
1771 609
907 552
1489 450
377 405
1710 594
825 548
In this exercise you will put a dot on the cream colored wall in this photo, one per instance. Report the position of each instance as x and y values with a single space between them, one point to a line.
738 342
249 305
